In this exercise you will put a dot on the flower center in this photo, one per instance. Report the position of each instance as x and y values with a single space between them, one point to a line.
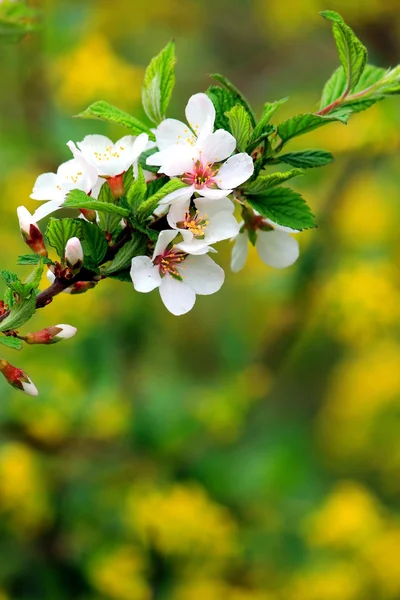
201 176
169 261
195 222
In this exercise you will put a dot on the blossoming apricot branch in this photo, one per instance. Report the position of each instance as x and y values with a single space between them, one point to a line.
149 208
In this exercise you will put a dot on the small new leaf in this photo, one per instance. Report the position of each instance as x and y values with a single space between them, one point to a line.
159 81
106 112
352 53
20 313
240 126
269 110
33 259
285 207
11 342
235 94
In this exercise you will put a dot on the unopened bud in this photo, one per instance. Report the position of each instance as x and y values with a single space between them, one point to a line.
17 378
89 214
79 287
50 335
74 255
30 231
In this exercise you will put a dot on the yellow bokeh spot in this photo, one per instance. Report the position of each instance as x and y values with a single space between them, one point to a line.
92 71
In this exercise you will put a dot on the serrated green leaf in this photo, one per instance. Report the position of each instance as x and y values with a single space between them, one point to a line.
352 53
240 126
147 208
11 342
33 280
108 222
94 245
20 313
285 207
106 112
135 247
269 110
59 231
155 184
33 259
265 182
236 95
138 190
223 102
13 282
262 138
159 81
78 199
306 159
127 179
301 124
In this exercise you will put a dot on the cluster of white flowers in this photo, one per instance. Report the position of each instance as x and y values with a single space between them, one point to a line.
198 214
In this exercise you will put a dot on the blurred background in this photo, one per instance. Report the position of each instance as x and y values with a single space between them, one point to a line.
250 449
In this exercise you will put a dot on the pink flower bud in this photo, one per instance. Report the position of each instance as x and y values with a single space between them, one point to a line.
50 335
30 231
74 254
18 379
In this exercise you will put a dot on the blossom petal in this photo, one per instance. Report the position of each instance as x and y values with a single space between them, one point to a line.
171 132
277 248
192 246
213 194
222 226
209 207
177 212
46 209
183 195
240 251
235 171
177 297
200 114
202 274
45 187
164 239
145 276
177 160
76 174
216 146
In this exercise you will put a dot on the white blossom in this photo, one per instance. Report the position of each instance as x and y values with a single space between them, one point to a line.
178 276
203 223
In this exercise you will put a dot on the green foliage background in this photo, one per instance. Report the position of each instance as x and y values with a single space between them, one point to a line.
248 450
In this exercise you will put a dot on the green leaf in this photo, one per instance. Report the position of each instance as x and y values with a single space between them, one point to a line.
155 184
285 207
137 246
306 159
159 81
124 276
11 342
20 313
128 179
262 138
240 126
106 112
138 190
147 208
59 231
78 199
336 85
269 110
223 102
33 259
144 156
265 182
236 95
301 124
32 282
352 53
14 283
108 222
94 245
